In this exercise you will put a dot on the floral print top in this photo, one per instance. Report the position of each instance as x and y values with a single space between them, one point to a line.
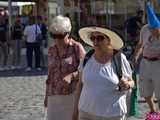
59 67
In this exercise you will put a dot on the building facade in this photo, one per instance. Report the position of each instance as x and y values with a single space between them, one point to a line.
105 13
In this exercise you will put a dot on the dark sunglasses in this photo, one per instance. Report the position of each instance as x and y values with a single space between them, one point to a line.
58 36
99 38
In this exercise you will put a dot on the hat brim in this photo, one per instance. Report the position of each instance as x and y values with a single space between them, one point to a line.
116 41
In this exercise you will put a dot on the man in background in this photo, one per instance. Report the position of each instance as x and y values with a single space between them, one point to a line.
133 25
149 47
32 43
43 41
3 44
17 32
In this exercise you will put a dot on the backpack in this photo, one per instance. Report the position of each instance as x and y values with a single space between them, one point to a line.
116 60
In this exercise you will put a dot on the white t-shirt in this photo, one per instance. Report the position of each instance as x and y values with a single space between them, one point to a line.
30 32
99 94
144 34
150 43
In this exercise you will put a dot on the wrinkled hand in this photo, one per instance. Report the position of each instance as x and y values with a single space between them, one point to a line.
124 84
68 78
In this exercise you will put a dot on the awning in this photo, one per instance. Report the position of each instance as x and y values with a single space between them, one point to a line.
20 0
5 4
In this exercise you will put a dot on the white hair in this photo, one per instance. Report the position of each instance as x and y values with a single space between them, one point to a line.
60 25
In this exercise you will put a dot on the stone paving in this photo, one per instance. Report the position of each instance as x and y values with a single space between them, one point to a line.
21 98
22 95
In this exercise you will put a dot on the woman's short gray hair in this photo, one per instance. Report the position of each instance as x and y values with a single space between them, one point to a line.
60 25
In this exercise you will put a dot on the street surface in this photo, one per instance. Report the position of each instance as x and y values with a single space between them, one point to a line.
22 94
21 98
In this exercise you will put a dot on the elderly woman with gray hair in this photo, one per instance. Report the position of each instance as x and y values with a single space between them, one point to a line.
63 60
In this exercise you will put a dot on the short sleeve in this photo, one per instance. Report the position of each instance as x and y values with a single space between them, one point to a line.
25 31
126 68
38 30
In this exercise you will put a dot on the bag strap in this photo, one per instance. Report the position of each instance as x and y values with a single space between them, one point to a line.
118 64
87 56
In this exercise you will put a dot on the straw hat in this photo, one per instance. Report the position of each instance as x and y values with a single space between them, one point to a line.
85 34
60 25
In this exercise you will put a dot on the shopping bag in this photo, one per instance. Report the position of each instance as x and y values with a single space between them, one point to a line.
133 99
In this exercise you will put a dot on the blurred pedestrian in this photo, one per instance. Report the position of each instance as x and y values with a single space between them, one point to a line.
31 32
149 47
63 60
133 26
3 44
101 94
44 40
17 32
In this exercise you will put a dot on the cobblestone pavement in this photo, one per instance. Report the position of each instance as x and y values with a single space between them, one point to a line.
21 98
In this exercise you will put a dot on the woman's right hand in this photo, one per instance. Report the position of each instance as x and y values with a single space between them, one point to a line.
45 101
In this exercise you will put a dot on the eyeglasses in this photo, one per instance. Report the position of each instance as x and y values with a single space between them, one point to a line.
57 36
99 38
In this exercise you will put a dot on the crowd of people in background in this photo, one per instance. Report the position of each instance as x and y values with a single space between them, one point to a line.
11 49
21 32
100 94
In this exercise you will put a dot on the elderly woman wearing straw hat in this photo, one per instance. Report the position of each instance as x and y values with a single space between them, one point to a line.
63 61
97 96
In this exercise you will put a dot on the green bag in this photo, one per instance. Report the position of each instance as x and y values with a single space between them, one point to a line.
133 99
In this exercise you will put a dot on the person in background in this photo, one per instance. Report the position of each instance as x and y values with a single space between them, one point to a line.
33 45
17 33
3 44
43 43
132 27
97 96
63 60
149 47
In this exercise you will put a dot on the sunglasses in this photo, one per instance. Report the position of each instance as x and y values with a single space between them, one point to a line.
57 36
99 38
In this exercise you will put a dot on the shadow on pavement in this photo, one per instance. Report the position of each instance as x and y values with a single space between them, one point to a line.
22 72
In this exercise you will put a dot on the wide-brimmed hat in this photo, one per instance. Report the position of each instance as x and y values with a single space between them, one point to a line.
152 19
115 39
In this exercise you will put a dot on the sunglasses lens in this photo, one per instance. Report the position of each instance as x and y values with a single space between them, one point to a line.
92 38
98 38
58 36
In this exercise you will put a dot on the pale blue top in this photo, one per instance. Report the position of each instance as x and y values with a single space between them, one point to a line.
99 94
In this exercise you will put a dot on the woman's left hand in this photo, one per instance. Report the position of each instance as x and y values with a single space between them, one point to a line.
68 78
124 84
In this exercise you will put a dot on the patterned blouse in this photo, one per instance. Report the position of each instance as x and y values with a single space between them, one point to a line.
59 67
